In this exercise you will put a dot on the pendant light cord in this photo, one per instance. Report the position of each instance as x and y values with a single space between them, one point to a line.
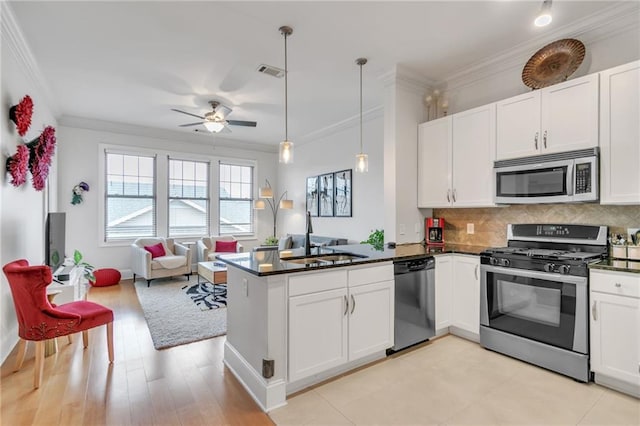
361 64
286 92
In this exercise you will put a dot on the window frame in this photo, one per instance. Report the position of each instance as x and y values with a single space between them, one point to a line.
253 217
207 163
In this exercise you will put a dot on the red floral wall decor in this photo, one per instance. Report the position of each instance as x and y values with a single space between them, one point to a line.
21 114
41 151
17 165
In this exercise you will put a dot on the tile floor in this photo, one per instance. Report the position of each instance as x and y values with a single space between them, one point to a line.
451 381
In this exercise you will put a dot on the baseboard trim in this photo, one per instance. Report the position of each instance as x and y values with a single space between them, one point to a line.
618 385
464 334
9 341
268 395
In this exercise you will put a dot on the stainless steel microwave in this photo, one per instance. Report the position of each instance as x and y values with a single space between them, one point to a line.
568 177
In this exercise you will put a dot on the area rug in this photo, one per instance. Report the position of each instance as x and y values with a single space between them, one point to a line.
173 318
206 295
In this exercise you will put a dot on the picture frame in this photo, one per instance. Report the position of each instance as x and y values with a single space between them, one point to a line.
342 193
325 194
312 195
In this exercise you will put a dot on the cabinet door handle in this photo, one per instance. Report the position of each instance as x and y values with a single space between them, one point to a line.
544 139
346 305
594 312
454 195
475 271
448 195
535 140
353 304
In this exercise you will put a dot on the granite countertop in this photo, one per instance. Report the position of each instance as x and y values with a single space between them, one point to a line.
620 265
273 262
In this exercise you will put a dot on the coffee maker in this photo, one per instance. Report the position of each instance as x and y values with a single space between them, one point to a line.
434 231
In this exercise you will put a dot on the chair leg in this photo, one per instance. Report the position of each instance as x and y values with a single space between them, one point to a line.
85 338
110 341
22 349
134 278
148 283
187 275
37 378
69 341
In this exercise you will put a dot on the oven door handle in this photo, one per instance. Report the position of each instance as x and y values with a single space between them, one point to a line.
570 171
548 276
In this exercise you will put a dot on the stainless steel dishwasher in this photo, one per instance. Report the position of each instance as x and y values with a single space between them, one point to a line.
415 304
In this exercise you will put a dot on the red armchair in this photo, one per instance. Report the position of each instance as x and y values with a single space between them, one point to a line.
38 320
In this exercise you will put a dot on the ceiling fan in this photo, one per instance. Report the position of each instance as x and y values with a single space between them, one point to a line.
215 121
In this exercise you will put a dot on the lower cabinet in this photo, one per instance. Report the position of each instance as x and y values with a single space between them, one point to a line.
458 294
615 329
330 327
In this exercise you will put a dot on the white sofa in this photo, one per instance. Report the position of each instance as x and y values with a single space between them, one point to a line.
206 247
176 261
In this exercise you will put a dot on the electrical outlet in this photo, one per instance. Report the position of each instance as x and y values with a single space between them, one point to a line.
401 229
470 228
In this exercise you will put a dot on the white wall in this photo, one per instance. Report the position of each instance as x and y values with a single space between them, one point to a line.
332 153
23 209
79 161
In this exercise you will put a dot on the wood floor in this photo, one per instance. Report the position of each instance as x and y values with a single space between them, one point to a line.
184 385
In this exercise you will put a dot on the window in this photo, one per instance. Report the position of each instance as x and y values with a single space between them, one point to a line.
236 189
188 198
130 206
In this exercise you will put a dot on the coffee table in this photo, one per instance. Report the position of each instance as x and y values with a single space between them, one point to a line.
213 273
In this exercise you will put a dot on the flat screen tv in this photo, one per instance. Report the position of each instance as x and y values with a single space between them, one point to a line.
55 232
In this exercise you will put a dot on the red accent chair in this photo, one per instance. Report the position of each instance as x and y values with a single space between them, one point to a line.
38 320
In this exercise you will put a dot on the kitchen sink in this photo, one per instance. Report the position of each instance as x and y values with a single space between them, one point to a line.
324 258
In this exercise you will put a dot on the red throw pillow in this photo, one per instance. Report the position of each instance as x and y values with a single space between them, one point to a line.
156 250
226 246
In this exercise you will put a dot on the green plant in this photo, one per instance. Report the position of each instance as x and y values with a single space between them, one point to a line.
271 241
87 268
376 239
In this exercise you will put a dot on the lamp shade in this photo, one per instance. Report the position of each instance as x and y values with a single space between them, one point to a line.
286 152
362 163
286 204
265 192
259 204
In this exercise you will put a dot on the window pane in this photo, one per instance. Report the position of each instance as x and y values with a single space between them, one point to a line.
201 190
246 190
225 172
130 218
235 217
188 189
188 218
146 166
201 172
236 189
188 170
130 165
175 170
114 185
114 164
175 188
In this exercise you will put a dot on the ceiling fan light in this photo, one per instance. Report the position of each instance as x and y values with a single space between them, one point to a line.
213 126
286 152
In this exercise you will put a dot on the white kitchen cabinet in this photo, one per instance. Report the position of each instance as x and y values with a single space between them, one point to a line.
620 135
562 117
371 318
329 327
466 294
456 155
434 163
458 295
615 329
444 292
317 332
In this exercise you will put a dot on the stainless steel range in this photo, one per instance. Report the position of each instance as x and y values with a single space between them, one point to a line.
535 296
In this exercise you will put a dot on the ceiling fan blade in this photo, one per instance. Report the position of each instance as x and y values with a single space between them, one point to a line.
188 113
191 124
222 111
242 123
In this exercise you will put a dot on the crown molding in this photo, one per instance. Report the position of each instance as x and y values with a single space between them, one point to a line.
616 19
170 135
371 114
407 78
13 39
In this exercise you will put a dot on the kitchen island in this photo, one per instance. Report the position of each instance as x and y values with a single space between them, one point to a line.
295 320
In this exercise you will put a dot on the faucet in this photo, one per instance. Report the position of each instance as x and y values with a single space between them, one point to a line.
307 241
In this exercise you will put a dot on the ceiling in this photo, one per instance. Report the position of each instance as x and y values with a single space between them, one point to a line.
131 62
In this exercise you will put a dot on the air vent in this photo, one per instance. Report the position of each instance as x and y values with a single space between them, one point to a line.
271 70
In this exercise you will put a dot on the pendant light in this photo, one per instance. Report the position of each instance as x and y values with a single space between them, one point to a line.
286 146
362 160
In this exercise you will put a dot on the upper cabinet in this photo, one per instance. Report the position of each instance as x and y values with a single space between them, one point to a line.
456 155
562 117
620 135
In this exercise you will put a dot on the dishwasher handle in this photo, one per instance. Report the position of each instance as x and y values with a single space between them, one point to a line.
408 266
